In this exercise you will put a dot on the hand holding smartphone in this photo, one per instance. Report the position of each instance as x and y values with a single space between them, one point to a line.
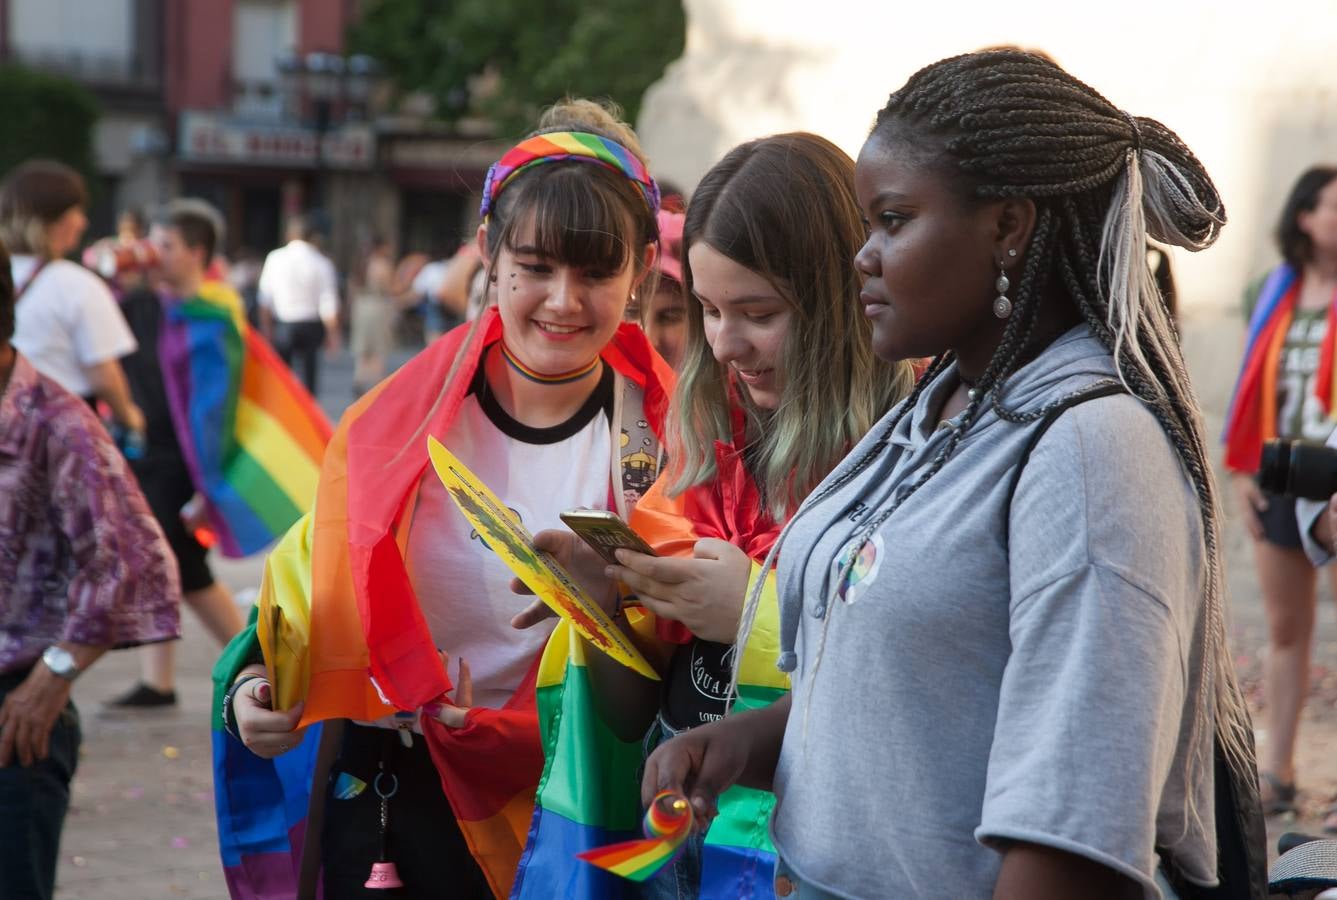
605 533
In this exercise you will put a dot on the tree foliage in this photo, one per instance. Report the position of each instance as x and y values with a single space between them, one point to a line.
541 50
46 116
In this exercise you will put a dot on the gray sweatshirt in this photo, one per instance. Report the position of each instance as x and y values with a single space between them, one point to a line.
965 687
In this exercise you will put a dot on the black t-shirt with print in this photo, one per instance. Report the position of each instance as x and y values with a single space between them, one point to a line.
696 687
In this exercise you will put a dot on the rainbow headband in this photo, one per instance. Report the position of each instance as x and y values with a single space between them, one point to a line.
563 145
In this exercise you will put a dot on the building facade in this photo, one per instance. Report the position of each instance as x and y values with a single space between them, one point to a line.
253 106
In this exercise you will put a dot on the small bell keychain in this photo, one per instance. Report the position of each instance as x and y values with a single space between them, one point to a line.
383 873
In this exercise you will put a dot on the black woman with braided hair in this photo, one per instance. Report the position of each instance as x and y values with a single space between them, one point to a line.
1003 611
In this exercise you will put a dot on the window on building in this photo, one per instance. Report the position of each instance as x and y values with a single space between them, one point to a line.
91 41
263 30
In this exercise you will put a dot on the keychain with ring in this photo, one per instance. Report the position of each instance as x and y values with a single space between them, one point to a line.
384 875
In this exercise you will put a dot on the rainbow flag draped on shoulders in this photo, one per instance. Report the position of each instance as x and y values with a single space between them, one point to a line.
1251 419
339 626
589 795
251 435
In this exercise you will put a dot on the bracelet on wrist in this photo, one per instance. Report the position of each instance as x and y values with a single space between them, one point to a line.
229 719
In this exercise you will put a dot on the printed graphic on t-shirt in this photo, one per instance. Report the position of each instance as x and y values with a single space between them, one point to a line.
698 683
860 566
639 465
708 671
1300 413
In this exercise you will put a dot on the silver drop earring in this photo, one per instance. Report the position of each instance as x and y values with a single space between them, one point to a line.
1002 307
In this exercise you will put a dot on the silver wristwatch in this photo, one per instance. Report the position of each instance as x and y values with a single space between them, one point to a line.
61 661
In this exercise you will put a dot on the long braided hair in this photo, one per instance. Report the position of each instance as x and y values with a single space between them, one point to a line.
1010 124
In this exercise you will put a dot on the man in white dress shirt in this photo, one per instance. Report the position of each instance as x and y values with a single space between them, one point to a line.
299 301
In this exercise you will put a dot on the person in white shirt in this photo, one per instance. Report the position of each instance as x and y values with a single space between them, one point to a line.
67 322
299 301
425 285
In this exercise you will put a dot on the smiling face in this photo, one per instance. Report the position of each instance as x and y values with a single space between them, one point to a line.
929 263
557 317
746 322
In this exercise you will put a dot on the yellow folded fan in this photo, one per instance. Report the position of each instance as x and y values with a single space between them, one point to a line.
514 545
283 626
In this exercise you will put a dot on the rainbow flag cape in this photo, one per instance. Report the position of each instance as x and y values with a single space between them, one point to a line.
1251 419
251 435
589 795
324 641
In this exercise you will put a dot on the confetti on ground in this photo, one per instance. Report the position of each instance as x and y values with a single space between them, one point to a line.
180 843
170 752
79 861
134 793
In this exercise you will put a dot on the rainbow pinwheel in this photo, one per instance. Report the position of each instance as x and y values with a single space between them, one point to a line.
668 821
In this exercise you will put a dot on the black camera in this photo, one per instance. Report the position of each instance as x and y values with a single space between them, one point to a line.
1299 469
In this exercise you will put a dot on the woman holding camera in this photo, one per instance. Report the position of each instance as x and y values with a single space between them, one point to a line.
1285 390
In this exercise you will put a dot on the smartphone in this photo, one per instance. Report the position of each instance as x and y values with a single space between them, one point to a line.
604 532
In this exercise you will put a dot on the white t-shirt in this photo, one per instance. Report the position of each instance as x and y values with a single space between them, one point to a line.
462 587
430 278
67 320
299 284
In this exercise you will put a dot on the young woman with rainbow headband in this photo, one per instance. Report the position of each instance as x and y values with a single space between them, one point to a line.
778 381
384 588
1003 609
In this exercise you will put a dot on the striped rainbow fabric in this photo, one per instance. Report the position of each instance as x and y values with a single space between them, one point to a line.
252 436
261 804
589 795
668 822
557 146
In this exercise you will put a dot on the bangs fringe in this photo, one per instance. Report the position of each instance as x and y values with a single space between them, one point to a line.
577 220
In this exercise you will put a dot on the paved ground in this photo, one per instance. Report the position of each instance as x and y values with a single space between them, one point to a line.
141 825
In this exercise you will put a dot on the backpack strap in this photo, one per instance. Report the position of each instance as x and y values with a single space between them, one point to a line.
23 288
1067 403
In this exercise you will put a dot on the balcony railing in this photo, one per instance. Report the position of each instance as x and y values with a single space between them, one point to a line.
115 71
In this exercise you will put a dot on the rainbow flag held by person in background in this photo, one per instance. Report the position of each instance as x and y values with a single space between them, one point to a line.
251 435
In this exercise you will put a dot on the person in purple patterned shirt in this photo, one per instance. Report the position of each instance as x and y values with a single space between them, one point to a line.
84 568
